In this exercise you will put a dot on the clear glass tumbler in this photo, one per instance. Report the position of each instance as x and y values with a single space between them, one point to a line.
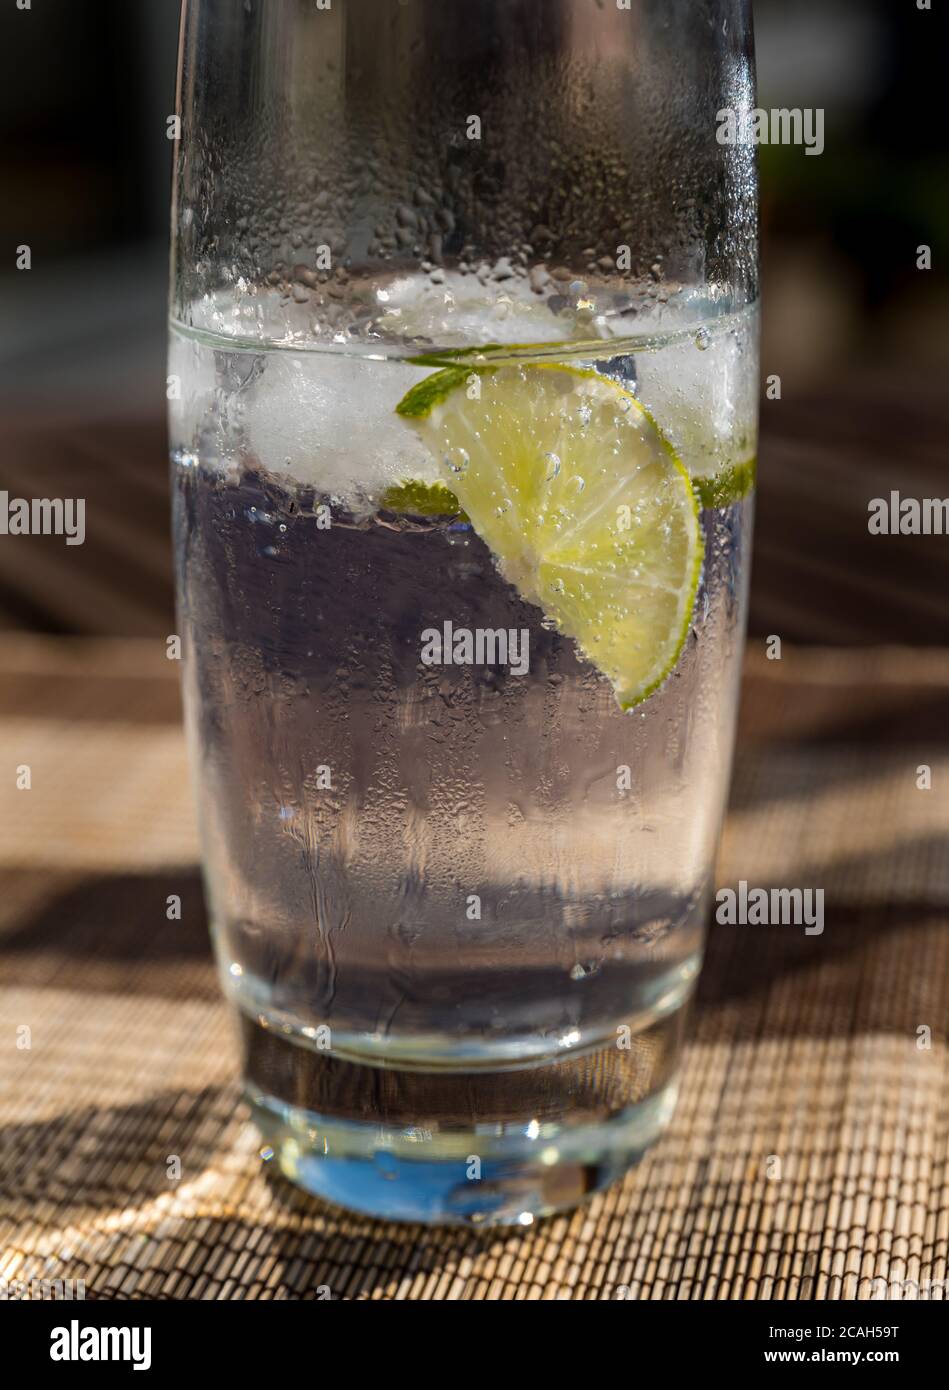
463 422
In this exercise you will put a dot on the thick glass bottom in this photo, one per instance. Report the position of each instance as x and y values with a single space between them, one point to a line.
479 1147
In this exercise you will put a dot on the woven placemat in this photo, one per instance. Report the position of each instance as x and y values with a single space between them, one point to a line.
809 1155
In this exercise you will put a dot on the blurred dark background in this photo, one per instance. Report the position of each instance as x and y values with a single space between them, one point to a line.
857 334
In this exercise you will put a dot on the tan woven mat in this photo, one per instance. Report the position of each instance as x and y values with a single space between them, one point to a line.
809 1156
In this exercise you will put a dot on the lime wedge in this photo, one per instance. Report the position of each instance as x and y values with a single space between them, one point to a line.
588 512
730 484
414 497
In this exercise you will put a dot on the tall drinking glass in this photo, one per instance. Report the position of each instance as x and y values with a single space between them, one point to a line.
463 331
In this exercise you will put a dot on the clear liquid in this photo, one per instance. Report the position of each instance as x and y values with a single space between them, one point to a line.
435 866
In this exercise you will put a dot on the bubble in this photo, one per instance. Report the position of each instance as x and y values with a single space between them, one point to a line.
585 413
458 460
702 339
553 469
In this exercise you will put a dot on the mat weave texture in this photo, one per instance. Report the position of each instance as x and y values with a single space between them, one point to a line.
809 1155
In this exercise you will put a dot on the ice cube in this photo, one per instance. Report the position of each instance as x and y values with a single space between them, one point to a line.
703 395
329 421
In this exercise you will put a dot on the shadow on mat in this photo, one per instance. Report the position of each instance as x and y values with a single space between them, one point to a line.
102 1172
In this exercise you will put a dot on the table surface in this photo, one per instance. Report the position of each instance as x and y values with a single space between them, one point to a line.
809 1155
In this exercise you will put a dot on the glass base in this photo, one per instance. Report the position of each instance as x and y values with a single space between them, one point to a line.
382 1173
477 1148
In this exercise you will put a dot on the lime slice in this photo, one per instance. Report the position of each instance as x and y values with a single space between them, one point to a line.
414 497
587 510
730 484
418 497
